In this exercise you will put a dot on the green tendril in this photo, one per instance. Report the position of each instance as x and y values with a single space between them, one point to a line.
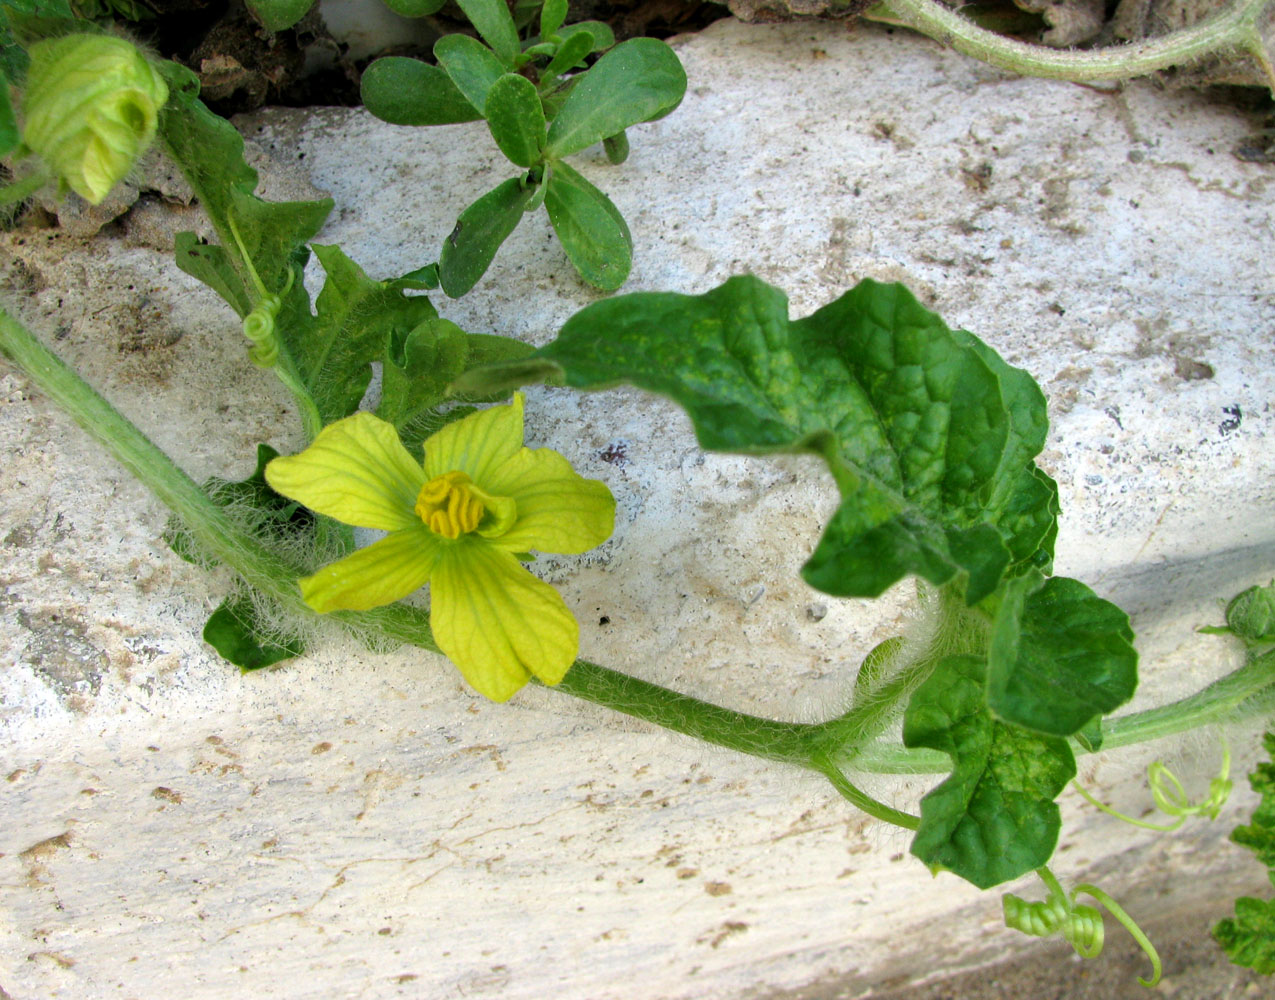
259 325
1080 926
1171 798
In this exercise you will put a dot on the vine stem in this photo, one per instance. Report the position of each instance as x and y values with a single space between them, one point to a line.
1233 28
215 532
1246 692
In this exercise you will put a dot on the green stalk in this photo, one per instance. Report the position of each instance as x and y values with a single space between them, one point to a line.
1248 692
862 799
216 534
1230 29
1242 694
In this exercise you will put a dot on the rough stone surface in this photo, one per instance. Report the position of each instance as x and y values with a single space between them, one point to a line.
357 824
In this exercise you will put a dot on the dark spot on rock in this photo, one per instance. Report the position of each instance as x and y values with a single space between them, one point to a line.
60 653
616 453
604 620
1191 371
167 795
1234 417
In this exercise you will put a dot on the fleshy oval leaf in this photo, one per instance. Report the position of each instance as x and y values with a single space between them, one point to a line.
405 91
635 81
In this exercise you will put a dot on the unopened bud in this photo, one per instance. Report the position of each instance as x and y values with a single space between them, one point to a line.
91 109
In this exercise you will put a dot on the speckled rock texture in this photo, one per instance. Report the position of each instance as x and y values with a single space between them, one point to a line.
357 824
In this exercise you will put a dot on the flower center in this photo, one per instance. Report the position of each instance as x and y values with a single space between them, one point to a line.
449 505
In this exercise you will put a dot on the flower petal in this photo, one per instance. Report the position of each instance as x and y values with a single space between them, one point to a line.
497 622
558 509
477 443
383 572
356 471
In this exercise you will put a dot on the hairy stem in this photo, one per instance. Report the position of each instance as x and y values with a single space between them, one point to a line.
215 533
861 799
1246 693
1233 28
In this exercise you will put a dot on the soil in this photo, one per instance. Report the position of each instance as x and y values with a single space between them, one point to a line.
1195 968
243 67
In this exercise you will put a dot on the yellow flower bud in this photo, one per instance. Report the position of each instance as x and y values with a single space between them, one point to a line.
91 109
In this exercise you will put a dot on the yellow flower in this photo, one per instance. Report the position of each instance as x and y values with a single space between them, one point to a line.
92 107
457 523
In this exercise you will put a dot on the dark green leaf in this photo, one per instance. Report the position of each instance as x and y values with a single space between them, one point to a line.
911 421
552 14
209 153
601 33
275 15
1251 614
1029 506
214 267
617 148
994 818
207 148
481 228
636 80
1259 835
591 229
515 119
471 66
26 21
415 8
278 521
1059 655
273 232
422 278
571 53
493 22
419 367
9 135
235 630
1249 939
357 318
405 91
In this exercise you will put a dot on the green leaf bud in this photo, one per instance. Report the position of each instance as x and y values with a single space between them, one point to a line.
91 109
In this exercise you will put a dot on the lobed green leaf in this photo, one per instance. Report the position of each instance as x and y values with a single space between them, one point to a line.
994 818
419 367
1251 614
916 424
1249 938
405 91
213 266
1059 657
357 318
635 81
209 153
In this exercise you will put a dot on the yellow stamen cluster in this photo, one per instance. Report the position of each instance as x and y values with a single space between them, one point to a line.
448 506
